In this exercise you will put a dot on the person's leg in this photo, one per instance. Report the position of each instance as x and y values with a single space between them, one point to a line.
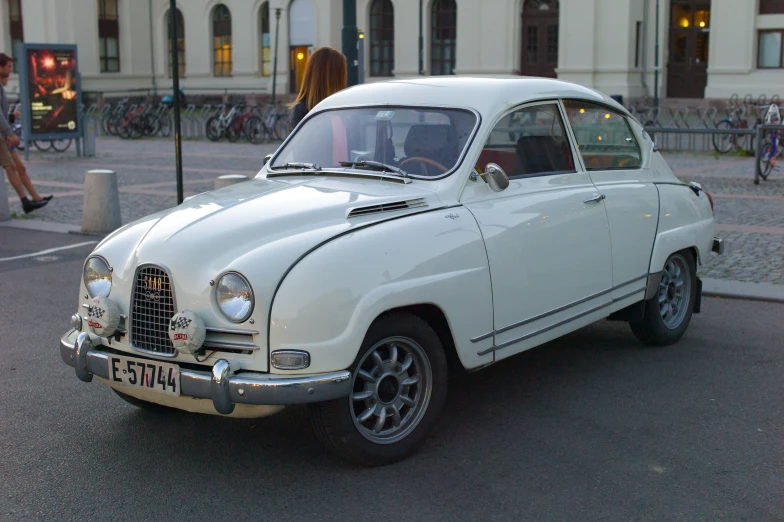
13 179
23 178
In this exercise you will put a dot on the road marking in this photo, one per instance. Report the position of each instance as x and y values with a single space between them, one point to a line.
49 251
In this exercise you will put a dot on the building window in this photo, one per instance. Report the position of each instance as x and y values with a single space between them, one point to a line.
180 42
221 41
108 36
266 48
771 7
443 36
15 25
638 43
770 49
382 38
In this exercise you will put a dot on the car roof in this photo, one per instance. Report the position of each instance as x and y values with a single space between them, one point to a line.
487 95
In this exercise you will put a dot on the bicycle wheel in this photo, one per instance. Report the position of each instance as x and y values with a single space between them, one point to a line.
254 130
212 129
281 126
43 146
152 125
723 143
766 160
234 130
136 127
61 145
166 125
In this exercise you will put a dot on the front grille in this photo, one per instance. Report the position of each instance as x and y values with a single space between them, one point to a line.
152 307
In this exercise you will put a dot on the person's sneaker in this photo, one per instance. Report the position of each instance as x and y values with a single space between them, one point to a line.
28 206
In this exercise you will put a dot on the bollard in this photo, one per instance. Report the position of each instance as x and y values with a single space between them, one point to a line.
229 179
101 207
5 210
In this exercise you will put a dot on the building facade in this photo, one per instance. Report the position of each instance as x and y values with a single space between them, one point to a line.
706 48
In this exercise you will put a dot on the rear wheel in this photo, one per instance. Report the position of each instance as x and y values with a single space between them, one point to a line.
43 146
668 313
767 160
399 389
723 143
61 145
212 129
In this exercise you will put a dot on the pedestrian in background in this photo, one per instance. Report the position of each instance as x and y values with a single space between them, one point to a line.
325 74
9 159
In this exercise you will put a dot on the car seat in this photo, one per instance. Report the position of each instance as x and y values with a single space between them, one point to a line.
540 154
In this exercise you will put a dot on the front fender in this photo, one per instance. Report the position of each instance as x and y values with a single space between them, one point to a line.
328 300
685 221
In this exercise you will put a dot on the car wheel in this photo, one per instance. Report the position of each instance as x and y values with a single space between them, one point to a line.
667 314
399 389
149 406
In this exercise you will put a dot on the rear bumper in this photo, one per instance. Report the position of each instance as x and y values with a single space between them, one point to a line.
718 245
224 387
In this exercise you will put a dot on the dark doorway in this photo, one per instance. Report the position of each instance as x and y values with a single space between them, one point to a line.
297 61
687 68
539 53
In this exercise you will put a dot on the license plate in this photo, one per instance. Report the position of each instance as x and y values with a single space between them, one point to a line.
152 375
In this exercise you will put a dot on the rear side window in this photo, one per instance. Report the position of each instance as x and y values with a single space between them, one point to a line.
603 136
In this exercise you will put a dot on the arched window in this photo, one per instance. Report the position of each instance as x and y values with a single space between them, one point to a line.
108 36
221 41
443 36
382 38
180 42
264 44
15 24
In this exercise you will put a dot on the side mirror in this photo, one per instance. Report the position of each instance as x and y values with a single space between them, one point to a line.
495 177
267 158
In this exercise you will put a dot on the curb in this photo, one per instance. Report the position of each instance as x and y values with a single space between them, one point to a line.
42 226
743 290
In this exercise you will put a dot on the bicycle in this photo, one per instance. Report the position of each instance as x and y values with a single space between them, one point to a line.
772 148
229 123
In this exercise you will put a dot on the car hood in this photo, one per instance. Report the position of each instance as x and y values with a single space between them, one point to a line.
259 228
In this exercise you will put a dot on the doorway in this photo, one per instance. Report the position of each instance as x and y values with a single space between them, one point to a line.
539 42
298 59
687 67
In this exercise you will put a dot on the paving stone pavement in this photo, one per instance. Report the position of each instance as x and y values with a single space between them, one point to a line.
749 217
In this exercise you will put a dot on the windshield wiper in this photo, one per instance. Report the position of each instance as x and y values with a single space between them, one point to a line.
375 165
296 165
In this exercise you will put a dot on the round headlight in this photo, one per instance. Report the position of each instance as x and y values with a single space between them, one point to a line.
235 297
97 277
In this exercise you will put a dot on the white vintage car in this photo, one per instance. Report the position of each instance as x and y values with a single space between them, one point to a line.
405 231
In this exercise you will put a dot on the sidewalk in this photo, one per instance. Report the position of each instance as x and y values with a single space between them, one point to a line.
749 217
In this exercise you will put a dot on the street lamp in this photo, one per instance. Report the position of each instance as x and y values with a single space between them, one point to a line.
176 86
275 59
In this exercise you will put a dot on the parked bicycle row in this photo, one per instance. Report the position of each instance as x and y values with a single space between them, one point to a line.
60 145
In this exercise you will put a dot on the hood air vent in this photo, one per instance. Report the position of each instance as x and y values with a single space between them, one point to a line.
387 207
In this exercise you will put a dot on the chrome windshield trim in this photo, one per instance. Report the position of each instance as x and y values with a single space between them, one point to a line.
556 310
454 169
556 325
340 173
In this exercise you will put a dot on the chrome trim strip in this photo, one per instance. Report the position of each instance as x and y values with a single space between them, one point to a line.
232 331
556 325
330 173
556 310
653 285
218 345
243 387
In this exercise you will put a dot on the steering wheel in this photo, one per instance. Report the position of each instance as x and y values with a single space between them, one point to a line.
423 160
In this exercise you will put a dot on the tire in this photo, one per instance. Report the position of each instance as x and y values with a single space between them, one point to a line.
136 127
660 326
152 125
234 130
723 143
166 125
254 130
281 127
415 387
767 155
61 145
144 405
43 146
212 130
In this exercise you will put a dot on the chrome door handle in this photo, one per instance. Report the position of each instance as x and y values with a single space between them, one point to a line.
597 197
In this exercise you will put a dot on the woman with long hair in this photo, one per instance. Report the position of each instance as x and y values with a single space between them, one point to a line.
325 74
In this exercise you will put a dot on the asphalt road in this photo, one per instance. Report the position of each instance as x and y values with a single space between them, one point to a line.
593 426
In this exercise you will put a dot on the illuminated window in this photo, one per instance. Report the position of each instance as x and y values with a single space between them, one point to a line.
443 36
108 36
180 42
382 38
221 41
266 48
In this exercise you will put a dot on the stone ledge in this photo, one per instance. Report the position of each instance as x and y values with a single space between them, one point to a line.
743 290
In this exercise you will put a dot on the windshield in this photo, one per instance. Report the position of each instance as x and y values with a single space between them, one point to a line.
427 142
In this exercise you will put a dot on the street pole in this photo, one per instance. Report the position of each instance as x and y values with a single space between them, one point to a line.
176 87
421 43
656 62
275 59
350 37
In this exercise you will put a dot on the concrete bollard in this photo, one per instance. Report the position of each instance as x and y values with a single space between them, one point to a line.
229 179
101 207
5 210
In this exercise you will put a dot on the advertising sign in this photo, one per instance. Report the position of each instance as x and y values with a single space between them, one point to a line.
50 91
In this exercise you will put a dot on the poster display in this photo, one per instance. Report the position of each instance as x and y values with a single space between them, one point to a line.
50 91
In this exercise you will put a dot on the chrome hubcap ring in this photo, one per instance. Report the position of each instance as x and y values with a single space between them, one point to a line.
674 292
391 390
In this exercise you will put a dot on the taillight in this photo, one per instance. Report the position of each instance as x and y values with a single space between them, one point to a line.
710 198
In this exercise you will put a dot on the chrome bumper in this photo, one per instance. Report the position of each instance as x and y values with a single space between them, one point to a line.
220 385
718 245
